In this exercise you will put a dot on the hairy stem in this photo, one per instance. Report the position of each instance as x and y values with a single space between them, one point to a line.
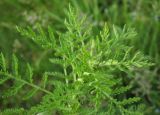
27 83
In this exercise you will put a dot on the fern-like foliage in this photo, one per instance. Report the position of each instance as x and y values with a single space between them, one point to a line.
89 83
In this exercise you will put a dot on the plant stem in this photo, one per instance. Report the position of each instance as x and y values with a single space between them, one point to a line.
30 84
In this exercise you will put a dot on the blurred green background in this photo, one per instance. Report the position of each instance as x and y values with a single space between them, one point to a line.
143 15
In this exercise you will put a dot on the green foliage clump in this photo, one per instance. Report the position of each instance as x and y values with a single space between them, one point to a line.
89 80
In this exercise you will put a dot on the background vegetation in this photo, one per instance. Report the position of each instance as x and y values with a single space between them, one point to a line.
142 15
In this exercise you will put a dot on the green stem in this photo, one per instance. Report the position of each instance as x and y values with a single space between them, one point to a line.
74 75
30 84
65 72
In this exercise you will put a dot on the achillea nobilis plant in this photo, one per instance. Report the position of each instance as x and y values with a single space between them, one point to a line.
89 82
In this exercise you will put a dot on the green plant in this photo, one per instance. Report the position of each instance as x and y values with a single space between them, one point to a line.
89 79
